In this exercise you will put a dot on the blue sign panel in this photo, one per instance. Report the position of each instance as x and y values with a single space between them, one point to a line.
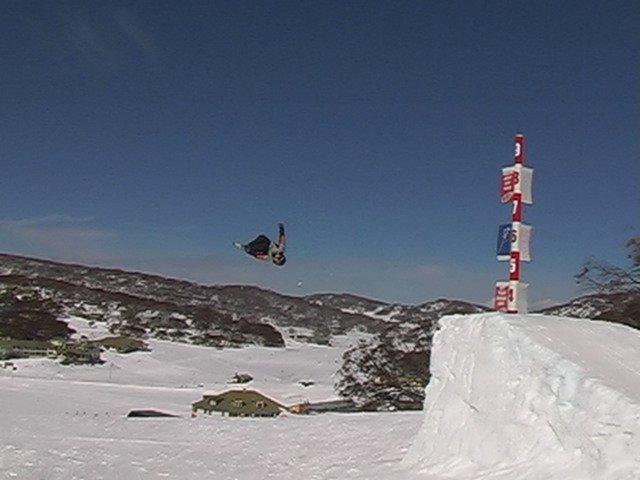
504 242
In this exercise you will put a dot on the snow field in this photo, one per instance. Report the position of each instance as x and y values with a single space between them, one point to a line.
511 398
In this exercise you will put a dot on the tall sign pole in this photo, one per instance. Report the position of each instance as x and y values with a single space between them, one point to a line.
514 238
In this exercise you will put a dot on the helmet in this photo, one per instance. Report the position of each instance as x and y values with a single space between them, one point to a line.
279 260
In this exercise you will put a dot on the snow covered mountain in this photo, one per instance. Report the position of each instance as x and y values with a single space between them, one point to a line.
140 304
615 307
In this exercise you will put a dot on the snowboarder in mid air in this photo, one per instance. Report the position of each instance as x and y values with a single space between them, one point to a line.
263 248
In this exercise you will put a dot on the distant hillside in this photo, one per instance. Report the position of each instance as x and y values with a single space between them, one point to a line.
615 307
140 304
389 369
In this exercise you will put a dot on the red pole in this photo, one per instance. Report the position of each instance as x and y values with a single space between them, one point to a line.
514 269
514 264
519 150
515 187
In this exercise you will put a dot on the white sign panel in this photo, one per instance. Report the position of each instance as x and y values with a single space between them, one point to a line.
521 240
510 297
516 179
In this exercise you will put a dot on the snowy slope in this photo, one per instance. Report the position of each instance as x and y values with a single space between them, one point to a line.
69 422
531 397
517 398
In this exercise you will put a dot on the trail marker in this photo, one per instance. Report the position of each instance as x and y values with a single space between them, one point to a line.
514 238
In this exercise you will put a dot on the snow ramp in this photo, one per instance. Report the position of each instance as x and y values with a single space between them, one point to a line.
530 397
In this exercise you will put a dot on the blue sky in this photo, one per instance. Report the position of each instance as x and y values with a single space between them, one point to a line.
150 135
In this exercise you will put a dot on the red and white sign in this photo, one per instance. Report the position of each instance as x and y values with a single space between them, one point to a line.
519 149
514 266
510 179
510 297
501 297
516 214
516 179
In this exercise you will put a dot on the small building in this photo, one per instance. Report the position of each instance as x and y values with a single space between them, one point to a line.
122 344
149 413
343 405
12 348
80 353
299 408
238 403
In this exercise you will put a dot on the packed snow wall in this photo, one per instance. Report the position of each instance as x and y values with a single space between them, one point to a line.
530 397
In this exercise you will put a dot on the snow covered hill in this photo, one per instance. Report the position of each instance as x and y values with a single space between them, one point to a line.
531 397
511 398
139 304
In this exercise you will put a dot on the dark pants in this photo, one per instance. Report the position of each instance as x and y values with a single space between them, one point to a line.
258 246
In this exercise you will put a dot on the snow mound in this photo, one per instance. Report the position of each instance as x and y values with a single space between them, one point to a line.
530 397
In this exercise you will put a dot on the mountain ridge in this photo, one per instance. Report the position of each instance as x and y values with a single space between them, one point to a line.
387 368
119 297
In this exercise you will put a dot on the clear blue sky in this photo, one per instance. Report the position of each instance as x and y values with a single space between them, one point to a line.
150 135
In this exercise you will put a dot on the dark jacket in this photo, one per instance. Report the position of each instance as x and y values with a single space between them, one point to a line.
263 248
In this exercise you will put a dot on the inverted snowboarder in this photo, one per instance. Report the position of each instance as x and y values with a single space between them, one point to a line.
263 248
